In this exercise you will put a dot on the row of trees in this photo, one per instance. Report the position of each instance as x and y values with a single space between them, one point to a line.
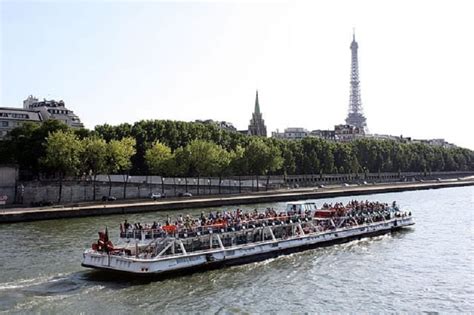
203 158
66 154
307 156
55 149
172 148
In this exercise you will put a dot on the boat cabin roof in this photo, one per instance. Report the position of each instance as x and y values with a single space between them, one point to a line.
301 205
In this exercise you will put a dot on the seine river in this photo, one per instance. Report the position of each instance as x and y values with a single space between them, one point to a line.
427 268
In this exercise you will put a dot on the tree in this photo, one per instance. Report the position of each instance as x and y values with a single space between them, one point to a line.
222 164
94 158
344 159
26 144
202 158
238 163
159 160
311 155
289 152
119 154
262 158
63 151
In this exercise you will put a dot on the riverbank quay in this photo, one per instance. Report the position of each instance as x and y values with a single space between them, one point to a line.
14 215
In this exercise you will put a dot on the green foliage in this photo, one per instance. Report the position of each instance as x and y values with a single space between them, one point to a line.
63 150
25 144
238 164
201 157
174 134
159 159
262 158
119 153
173 148
94 155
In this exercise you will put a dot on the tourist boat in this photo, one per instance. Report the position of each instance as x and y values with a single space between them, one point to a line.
185 247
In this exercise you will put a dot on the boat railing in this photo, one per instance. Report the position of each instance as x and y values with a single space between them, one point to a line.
184 231
224 226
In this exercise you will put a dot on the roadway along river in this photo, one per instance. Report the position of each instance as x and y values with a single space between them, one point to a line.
427 268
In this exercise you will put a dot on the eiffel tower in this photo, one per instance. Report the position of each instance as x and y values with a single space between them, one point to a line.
356 116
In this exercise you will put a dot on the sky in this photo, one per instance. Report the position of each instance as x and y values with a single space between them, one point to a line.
118 61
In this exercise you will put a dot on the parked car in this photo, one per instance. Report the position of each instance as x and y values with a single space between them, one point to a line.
41 203
345 185
108 198
185 194
155 196
321 186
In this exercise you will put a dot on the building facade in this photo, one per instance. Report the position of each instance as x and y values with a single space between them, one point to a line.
435 142
257 124
323 134
345 133
291 134
53 110
36 111
340 133
11 118
224 125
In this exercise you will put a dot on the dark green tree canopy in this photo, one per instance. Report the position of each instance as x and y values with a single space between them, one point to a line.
176 148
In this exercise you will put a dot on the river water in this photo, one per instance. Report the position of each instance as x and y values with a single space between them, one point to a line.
427 268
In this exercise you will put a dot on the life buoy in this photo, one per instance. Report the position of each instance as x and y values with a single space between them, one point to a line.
169 228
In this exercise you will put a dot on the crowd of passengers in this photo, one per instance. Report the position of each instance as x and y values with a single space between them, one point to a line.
365 211
358 211
217 221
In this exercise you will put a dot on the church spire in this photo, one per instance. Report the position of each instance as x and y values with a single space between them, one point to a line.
257 105
257 124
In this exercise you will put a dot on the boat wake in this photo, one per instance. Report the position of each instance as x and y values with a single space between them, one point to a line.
26 283
46 285
25 293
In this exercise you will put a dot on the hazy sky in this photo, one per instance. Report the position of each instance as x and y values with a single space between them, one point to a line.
116 61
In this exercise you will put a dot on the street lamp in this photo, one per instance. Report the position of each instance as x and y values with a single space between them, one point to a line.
174 185
240 185
162 186
209 183
125 186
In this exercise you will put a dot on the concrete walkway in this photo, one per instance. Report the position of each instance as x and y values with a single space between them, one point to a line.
119 207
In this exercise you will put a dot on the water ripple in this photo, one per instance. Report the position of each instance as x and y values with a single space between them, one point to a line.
429 268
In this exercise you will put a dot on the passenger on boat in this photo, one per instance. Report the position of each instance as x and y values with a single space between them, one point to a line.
359 212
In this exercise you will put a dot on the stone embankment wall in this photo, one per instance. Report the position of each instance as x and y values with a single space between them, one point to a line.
74 191
309 180
8 180
36 192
